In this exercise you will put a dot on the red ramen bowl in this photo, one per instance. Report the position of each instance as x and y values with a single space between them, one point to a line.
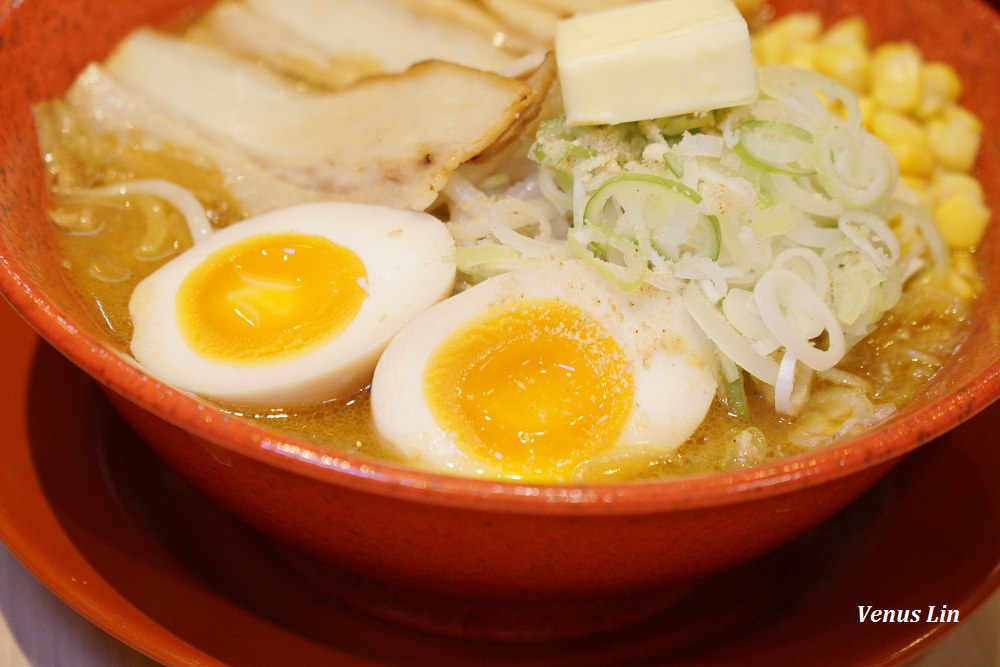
465 556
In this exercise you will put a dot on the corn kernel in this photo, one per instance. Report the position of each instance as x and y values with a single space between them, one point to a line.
800 26
962 220
868 110
896 76
939 88
849 63
947 183
916 183
914 190
852 31
773 44
912 157
802 54
890 125
954 138
767 47
963 274
907 140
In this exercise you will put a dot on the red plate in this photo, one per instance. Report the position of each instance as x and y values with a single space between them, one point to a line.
113 532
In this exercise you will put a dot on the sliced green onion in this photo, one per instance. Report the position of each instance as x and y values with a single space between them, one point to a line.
766 198
928 228
673 125
486 258
674 164
554 186
871 234
809 91
785 301
555 143
792 388
738 398
805 260
593 245
774 146
731 386
775 219
730 341
857 169
742 314
669 211
801 194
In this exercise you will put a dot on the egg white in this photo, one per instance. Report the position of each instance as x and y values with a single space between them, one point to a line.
409 261
673 376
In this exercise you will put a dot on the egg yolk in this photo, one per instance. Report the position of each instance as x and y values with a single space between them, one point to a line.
536 386
270 297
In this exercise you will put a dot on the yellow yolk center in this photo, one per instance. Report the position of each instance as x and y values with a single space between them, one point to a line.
535 386
270 297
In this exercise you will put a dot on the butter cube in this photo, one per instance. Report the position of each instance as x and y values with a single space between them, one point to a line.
654 59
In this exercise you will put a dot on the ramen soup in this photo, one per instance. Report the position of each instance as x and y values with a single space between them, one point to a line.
447 251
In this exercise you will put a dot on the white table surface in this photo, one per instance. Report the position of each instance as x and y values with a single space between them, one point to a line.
39 630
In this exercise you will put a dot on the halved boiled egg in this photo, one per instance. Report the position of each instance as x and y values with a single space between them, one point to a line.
533 373
292 306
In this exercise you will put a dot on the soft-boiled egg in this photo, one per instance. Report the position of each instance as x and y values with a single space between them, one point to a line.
531 374
292 306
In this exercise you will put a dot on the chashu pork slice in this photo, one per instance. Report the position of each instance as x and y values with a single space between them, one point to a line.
334 44
107 106
392 139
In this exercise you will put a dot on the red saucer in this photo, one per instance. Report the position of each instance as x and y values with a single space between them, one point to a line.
113 532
